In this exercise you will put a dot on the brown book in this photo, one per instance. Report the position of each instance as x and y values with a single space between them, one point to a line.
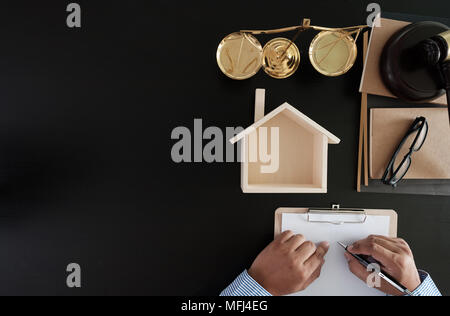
371 82
388 126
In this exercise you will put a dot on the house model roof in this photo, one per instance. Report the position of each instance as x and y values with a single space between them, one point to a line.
297 116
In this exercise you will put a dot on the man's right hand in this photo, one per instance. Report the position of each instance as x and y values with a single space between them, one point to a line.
288 264
395 258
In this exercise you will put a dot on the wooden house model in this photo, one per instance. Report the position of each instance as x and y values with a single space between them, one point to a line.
302 146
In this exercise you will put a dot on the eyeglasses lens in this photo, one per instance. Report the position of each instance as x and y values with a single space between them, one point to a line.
404 149
402 169
421 137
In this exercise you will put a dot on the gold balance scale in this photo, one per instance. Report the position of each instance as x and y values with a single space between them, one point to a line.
332 52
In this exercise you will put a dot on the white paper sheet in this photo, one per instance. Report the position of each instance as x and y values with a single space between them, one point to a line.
336 279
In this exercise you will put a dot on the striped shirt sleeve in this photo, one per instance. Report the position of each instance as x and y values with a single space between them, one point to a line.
244 285
427 287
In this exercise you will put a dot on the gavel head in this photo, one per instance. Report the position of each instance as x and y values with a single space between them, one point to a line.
436 49
412 61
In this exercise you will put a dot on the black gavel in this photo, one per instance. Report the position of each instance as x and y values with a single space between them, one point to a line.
436 52
415 63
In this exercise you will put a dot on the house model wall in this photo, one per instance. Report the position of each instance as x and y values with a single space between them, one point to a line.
302 146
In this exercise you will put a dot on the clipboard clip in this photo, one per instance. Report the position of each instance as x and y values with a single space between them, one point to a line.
337 216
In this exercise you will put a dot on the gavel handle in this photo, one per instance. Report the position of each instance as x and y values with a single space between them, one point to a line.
445 69
448 104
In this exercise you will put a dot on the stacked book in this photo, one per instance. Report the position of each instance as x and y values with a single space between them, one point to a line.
385 120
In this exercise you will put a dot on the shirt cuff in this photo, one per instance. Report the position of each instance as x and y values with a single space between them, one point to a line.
245 285
427 287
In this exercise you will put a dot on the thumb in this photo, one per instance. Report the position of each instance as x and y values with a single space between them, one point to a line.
356 268
322 248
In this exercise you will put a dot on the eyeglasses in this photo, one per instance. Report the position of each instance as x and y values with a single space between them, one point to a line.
417 133
332 52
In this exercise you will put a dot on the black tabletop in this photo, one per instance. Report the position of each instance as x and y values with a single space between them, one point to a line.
86 174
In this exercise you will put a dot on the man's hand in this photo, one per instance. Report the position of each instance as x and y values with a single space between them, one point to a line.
288 264
395 257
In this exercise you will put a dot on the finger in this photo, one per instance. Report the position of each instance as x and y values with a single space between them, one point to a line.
386 242
399 242
378 252
317 258
356 268
284 236
295 241
384 237
306 250
404 245
396 240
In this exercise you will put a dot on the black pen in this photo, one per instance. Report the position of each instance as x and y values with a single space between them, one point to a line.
382 275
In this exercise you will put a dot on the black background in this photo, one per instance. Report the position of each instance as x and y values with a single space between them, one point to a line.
86 174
